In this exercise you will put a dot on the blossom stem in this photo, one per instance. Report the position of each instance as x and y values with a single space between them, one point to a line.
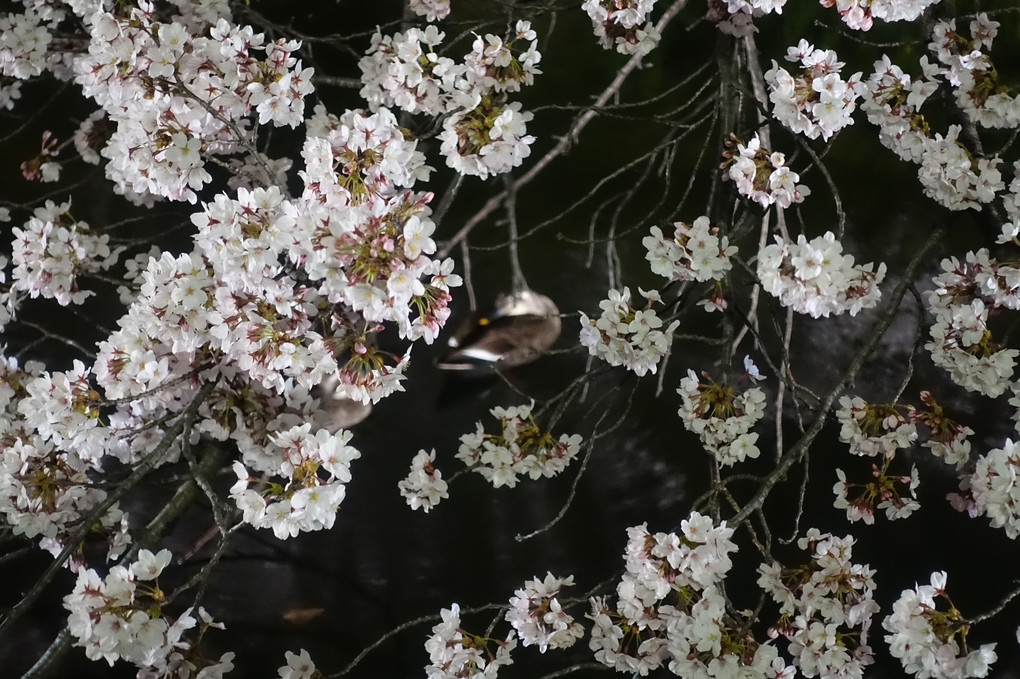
998 609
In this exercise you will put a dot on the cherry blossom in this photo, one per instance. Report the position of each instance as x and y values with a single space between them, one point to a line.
626 336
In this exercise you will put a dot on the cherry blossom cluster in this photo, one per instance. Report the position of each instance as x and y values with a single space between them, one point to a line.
815 277
306 500
51 441
482 134
877 430
995 489
953 177
925 639
623 25
254 315
120 617
948 440
623 335
816 101
539 617
43 167
53 251
949 173
736 17
965 295
1011 202
91 136
175 95
369 242
403 70
45 492
485 136
24 48
498 65
457 654
520 448
893 101
267 269
753 8
896 494
8 301
693 253
161 341
762 175
827 607
874 429
721 417
424 486
860 14
432 10
977 88
671 610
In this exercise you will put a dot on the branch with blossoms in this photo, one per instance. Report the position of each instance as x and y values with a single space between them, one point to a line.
314 269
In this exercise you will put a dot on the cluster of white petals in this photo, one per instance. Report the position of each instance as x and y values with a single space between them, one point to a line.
623 335
882 493
962 343
495 65
879 430
484 138
538 616
873 429
860 14
24 45
815 277
316 468
51 441
520 448
432 10
827 607
924 639
119 617
482 134
951 176
1011 202
671 609
721 417
693 253
764 177
815 101
424 486
404 71
623 27
893 102
485 135
456 654
91 136
736 17
52 251
948 172
977 88
995 487
175 95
